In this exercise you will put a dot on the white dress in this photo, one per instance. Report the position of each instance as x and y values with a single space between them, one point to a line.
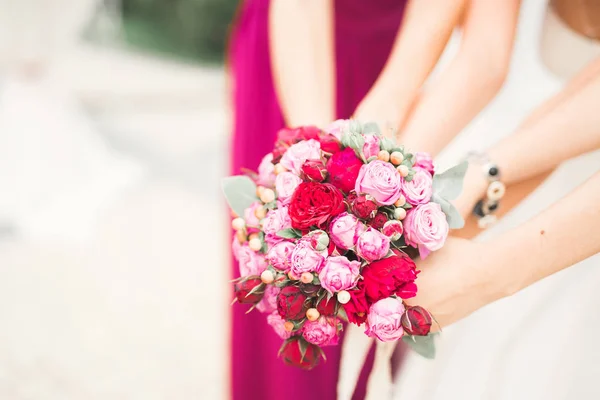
541 343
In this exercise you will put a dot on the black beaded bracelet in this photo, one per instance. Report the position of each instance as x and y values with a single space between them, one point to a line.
486 207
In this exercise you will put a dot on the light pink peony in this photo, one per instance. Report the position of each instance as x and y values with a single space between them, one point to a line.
425 227
249 215
424 160
383 320
266 171
420 189
371 146
339 273
236 247
306 259
372 245
381 180
268 304
251 262
285 185
342 230
280 255
322 332
275 221
337 128
298 153
277 323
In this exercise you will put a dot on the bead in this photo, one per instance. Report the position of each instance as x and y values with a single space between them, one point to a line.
292 276
241 236
396 158
496 191
306 277
493 171
260 190
238 224
403 170
399 214
343 296
267 277
260 212
492 206
312 314
279 168
255 244
288 326
267 196
401 201
383 155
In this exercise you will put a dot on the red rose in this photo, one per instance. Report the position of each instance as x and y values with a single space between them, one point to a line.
343 168
291 303
298 352
388 276
416 321
314 204
357 308
290 136
364 207
379 220
327 307
329 143
250 290
314 170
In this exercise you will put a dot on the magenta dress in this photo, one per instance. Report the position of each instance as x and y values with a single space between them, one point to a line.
364 35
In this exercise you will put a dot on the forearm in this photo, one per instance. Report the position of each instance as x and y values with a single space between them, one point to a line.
301 44
562 235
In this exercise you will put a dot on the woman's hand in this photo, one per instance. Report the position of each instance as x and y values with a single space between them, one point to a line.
456 281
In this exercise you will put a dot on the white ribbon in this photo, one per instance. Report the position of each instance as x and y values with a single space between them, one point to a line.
354 353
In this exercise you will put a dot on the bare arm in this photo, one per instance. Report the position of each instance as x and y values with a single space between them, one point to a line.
301 45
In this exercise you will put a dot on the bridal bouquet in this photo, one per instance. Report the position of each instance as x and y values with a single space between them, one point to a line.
324 232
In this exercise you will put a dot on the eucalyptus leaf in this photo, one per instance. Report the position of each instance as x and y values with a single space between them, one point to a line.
387 144
455 220
422 345
289 233
240 192
355 127
371 128
449 183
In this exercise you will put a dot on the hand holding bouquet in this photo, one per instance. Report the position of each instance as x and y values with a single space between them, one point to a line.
325 231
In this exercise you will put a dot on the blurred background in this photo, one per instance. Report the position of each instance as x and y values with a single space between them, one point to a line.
113 136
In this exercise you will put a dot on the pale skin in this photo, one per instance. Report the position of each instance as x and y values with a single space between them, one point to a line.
464 275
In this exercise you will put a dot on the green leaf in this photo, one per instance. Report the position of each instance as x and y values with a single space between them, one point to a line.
371 128
422 345
303 345
387 144
289 233
355 127
240 193
449 183
455 220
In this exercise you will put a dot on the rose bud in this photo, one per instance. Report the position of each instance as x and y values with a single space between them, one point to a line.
379 220
384 320
416 321
343 168
297 352
314 170
364 207
250 290
393 229
309 289
291 303
319 240
329 143
328 307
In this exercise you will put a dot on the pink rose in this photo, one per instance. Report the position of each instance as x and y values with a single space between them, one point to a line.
275 221
337 128
423 160
420 189
425 227
279 256
372 245
384 320
298 153
322 332
393 229
268 304
250 217
306 259
251 262
236 247
371 146
342 230
285 185
339 273
266 171
278 325
381 180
